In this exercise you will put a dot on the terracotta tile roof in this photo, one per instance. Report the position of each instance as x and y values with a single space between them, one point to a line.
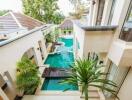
27 21
12 22
7 24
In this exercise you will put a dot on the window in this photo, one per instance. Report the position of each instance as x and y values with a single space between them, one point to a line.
111 12
116 74
100 11
126 33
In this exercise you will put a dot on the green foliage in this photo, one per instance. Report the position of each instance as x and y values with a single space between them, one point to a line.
43 10
2 12
27 78
88 73
79 7
57 33
58 18
49 37
52 36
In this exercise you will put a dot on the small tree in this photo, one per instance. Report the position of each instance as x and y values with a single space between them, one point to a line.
88 73
27 79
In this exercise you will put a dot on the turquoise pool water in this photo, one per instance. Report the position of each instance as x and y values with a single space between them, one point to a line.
63 58
68 42
52 84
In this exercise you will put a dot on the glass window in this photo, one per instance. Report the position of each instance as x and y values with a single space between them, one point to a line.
116 74
100 11
111 12
126 33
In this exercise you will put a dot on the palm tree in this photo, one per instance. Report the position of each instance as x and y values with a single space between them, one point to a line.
27 79
86 73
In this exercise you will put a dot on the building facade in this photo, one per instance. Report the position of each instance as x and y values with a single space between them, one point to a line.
108 33
30 44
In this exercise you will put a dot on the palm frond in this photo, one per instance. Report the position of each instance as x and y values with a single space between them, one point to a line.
87 72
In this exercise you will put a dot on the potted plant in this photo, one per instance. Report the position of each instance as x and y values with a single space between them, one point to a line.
27 77
86 73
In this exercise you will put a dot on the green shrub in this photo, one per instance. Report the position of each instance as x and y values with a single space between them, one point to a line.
27 78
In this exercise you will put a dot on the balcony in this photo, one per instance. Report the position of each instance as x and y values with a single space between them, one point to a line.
121 53
92 39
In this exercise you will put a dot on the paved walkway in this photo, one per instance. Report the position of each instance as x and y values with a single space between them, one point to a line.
58 95
55 98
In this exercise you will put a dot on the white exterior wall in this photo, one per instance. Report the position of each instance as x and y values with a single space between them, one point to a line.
97 41
12 52
79 35
121 53
19 32
92 41
125 92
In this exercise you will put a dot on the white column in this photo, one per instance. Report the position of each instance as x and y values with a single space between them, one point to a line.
44 50
95 12
90 15
37 55
106 12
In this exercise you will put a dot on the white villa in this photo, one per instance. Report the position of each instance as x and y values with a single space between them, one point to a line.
108 33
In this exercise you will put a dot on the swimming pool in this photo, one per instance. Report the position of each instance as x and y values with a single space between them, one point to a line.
63 58
52 84
68 42
60 60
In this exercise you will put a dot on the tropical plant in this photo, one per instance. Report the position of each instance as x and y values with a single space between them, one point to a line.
79 9
27 78
49 37
86 73
57 33
43 10
58 18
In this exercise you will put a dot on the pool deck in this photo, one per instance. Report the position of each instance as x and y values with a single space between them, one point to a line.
58 95
56 98
56 72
